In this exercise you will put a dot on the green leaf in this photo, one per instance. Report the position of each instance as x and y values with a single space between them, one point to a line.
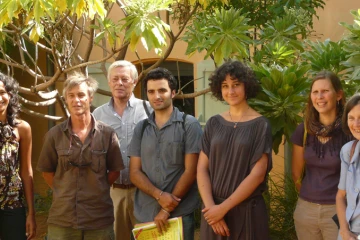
38 12
99 36
12 8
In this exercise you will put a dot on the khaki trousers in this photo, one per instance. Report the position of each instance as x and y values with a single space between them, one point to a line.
314 221
123 200
66 233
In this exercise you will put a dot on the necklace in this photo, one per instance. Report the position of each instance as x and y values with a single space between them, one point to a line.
236 123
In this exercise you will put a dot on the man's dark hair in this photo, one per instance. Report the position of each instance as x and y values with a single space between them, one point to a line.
158 74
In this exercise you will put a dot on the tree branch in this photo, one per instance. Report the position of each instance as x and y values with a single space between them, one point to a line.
86 34
104 92
122 6
62 104
48 95
159 61
41 104
186 21
91 42
33 113
26 91
192 95
66 15
92 62
47 84
72 51
24 68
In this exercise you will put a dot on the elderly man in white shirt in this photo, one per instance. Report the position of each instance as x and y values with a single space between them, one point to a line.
123 112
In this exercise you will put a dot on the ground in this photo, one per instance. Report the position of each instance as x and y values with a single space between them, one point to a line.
41 227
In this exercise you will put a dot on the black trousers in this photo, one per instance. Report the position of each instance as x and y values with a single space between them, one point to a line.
12 224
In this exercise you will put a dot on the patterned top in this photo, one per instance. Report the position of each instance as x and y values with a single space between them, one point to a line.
10 182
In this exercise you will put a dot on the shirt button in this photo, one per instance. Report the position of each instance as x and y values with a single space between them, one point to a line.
123 151
356 190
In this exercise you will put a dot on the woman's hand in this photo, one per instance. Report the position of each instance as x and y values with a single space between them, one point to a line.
30 226
214 213
347 235
221 228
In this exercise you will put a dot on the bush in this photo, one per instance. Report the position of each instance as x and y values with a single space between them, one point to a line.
43 203
281 200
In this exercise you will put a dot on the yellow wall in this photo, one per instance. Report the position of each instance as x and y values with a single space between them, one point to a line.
326 27
335 11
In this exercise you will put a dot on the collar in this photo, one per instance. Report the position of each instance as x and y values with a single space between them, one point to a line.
176 116
130 102
66 126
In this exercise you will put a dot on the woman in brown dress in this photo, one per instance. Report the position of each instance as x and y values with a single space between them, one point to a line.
16 176
234 160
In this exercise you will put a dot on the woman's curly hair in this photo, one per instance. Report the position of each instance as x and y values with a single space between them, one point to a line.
237 70
11 86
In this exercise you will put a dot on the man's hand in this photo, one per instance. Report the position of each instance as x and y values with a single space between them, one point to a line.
168 201
161 221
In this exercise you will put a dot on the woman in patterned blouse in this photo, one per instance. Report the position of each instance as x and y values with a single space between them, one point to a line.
16 175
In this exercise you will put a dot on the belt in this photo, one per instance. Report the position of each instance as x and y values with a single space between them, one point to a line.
123 186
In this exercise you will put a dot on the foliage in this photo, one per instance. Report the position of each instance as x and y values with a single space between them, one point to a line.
68 32
264 11
147 27
331 56
282 98
282 29
223 34
279 42
34 15
276 53
58 29
281 207
352 46
223 29
325 55
310 7
43 203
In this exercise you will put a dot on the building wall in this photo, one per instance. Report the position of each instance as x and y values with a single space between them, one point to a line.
325 27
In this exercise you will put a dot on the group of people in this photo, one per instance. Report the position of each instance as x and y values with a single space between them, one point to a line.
326 163
134 161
